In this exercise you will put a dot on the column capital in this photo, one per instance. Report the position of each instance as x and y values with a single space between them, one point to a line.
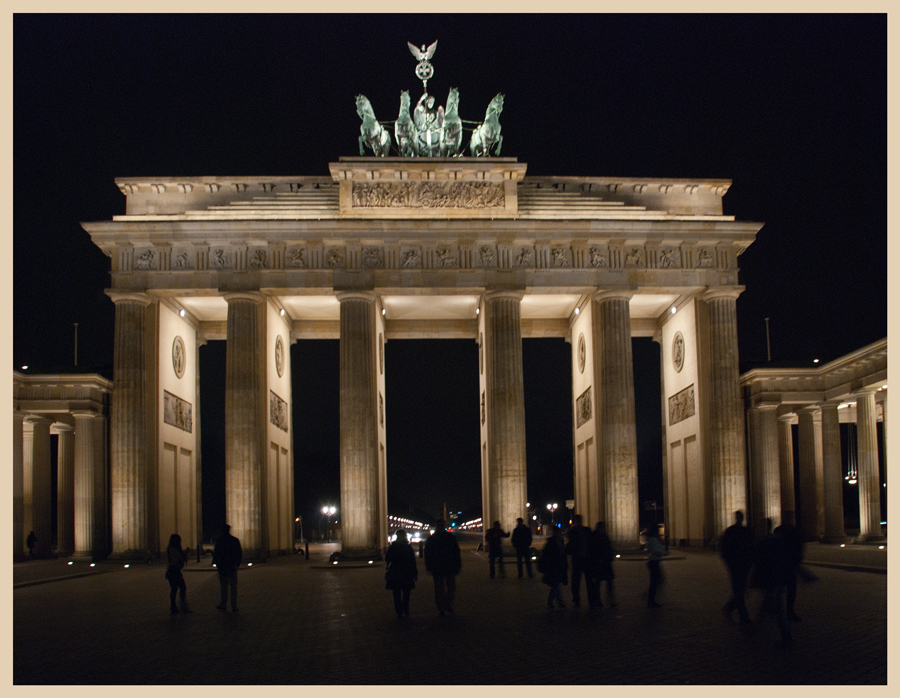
493 294
84 414
863 392
37 419
610 294
788 418
721 292
59 427
368 296
250 296
129 297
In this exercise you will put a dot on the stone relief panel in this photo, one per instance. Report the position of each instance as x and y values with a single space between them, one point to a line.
177 412
373 257
380 409
560 257
584 408
582 353
525 257
487 256
410 258
633 257
668 258
181 260
179 357
598 257
145 260
705 258
335 257
681 405
219 258
257 258
678 352
483 409
428 195
279 356
278 411
446 258
296 257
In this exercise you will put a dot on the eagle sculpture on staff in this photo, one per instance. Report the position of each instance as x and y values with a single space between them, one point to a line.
424 69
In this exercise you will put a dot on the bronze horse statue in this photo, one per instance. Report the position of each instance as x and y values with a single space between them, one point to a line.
452 131
372 134
487 136
405 129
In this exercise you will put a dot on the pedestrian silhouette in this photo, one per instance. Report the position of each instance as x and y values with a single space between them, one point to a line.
402 572
521 541
493 538
31 541
770 573
227 555
579 548
599 567
655 553
175 561
793 548
736 549
554 567
443 563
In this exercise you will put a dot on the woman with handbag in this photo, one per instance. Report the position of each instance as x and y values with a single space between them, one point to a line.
402 572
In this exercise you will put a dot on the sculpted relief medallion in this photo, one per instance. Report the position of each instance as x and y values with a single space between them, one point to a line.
582 353
179 357
678 351
279 356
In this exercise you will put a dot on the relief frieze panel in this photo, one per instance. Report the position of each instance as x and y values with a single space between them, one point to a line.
278 411
465 195
681 405
145 260
177 412
584 408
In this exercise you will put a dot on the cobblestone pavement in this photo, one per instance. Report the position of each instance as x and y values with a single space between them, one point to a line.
308 622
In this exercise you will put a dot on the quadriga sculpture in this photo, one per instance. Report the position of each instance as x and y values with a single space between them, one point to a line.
486 136
371 132
452 134
405 129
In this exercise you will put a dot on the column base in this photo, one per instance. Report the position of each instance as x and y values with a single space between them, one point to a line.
357 555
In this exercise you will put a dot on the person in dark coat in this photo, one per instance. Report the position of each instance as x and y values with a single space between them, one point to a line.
554 567
600 567
655 553
227 555
578 547
31 541
443 563
736 549
771 573
793 544
521 541
493 539
402 572
175 561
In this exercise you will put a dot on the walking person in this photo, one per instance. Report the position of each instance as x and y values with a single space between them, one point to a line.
771 573
521 541
31 541
227 555
600 567
578 548
736 549
793 550
402 572
655 553
493 538
443 563
554 567
176 559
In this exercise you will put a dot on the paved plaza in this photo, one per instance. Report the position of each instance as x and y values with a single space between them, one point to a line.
308 622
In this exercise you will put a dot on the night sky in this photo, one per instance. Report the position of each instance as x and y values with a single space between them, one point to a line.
791 108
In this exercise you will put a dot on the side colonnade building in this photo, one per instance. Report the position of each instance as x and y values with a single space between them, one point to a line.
388 248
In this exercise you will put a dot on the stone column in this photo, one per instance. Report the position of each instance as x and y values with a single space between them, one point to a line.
65 490
726 418
41 495
360 528
128 429
617 452
506 476
245 415
869 481
809 515
764 468
89 490
18 465
832 475
786 470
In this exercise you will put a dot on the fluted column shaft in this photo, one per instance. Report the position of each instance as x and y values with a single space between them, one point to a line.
832 475
507 486
245 413
18 465
65 491
360 528
89 486
806 472
764 468
726 419
786 470
869 481
41 494
128 430
618 434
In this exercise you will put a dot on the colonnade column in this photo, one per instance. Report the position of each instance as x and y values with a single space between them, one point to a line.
786 468
65 490
617 453
89 485
764 468
806 472
18 465
869 481
360 527
832 475
40 490
506 469
726 419
128 429
245 411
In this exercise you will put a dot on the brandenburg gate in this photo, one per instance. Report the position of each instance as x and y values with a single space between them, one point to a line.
416 247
